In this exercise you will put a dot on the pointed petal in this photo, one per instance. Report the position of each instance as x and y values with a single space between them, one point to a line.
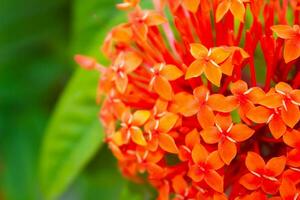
222 9
255 94
195 173
179 184
292 138
283 31
238 87
140 117
198 50
291 116
167 143
287 189
117 138
227 151
121 83
213 73
195 69
228 103
227 67
205 116
214 180
132 61
192 138
250 181
238 9
224 121
259 114
155 18
137 136
201 93
254 162
291 50
271 101
187 104
277 127
210 135
275 166
163 88
167 122
199 153
191 5
293 158
295 95
86 62
241 132
171 72
219 54
283 87
214 160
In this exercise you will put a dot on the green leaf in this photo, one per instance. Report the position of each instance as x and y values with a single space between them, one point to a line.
73 136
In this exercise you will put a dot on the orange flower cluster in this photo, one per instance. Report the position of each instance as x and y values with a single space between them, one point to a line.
185 103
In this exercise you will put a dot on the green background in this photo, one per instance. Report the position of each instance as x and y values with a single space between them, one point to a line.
65 159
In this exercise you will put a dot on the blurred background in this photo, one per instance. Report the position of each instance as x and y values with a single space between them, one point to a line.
37 42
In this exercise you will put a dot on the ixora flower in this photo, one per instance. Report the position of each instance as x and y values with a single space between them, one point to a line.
214 84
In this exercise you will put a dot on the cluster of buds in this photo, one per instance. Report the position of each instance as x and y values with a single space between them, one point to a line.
185 105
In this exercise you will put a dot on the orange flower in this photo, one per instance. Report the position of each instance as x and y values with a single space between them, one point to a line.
291 36
261 174
292 139
161 75
207 61
131 128
191 139
205 167
226 134
246 97
236 7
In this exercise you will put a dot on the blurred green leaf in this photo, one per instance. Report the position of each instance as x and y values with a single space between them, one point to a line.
73 136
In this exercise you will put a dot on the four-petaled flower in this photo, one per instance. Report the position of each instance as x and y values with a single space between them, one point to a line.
263 175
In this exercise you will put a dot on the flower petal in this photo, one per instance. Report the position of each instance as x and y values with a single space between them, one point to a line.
275 166
214 160
291 115
277 127
179 184
241 132
254 162
238 9
255 94
137 136
155 18
167 122
167 143
192 138
292 138
205 116
295 96
195 173
219 54
222 9
291 50
283 87
140 117
228 103
227 151
163 88
201 93
132 61
238 87
283 31
171 72
259 114
271 101
121 83
270 187
86 62
293 158
195 69
213 73
199 153
223 120
250 181
187 104
198 50
210 135
191 5
214 180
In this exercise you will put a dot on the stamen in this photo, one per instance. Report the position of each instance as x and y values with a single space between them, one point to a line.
219 128
255 174
230 139
270 178
248 91
229 128
270 118
284 105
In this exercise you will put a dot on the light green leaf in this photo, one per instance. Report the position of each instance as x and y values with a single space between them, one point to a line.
73 136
